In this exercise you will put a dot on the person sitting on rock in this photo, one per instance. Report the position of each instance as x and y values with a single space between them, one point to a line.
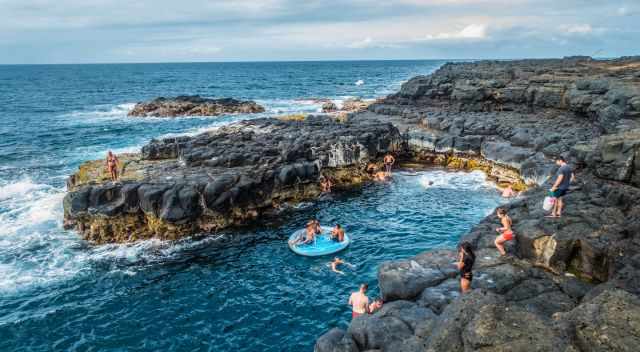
337 234
360 302
563 180
389 160
466 259
325 184
112 165
505 230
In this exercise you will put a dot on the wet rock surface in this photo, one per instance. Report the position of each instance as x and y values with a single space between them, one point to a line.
193 105
569 283
186 185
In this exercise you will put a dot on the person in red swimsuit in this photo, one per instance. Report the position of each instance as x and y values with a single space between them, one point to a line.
506 234
112 166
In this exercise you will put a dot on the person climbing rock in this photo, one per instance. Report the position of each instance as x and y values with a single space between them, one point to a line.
466 259
112 165
560 187
506 234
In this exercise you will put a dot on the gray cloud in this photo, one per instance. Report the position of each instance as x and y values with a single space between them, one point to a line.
44 31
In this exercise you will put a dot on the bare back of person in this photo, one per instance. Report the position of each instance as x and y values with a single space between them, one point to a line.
360 303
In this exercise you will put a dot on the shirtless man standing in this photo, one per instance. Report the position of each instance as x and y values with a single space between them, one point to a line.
112 165
389 160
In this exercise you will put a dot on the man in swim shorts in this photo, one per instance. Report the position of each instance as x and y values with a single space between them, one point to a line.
505 230
561 186
389 160
112 166
337 234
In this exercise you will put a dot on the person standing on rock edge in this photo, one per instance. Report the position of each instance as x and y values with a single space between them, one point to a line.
505 230
389 160
112 165
466 259
359 302
561 186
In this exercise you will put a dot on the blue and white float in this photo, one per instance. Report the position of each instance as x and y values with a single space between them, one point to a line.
322 244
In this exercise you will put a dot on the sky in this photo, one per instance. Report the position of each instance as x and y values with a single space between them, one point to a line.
106 31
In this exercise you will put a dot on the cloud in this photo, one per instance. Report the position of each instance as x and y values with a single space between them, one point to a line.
472 31
579 29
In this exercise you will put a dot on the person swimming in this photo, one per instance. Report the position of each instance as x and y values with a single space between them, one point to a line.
337 234
508 192
381 176
337 262
325 184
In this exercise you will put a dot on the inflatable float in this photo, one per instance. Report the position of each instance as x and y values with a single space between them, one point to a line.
323 245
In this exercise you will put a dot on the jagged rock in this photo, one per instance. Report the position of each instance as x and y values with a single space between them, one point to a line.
571 284
193 105
181 186
608 322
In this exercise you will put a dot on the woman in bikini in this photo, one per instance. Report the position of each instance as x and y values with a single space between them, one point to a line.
466 259
505 230
112 166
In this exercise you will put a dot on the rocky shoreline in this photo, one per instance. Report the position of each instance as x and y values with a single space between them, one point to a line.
571 283
193 105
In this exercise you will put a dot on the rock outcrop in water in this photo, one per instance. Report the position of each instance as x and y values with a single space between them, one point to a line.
193 105
572 283
186 185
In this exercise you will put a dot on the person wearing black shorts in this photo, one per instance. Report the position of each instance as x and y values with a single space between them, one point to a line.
561 186
466 259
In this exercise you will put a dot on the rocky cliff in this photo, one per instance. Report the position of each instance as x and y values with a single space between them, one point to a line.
187 185
570 284
193 105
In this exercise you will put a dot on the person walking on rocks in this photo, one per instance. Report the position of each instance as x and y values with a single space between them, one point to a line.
561 186
466 259
506 234
112 165
389 160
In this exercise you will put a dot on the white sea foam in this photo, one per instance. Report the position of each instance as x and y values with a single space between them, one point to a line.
105 111
460 179
35 251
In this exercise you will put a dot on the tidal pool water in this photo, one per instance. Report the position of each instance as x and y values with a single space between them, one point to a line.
243 290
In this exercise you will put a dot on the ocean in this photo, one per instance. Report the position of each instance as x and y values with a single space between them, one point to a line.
240 289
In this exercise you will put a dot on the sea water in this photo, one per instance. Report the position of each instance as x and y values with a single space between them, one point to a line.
240 289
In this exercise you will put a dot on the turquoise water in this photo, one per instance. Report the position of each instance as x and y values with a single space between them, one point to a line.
239 290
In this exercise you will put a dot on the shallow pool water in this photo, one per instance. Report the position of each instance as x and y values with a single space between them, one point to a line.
242 290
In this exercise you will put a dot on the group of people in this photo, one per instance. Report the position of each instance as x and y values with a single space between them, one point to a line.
466 256
380 175
313 229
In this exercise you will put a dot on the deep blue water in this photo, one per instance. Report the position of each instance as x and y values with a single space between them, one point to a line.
239 290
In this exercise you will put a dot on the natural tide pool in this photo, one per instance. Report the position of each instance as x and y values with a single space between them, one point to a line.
242 290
